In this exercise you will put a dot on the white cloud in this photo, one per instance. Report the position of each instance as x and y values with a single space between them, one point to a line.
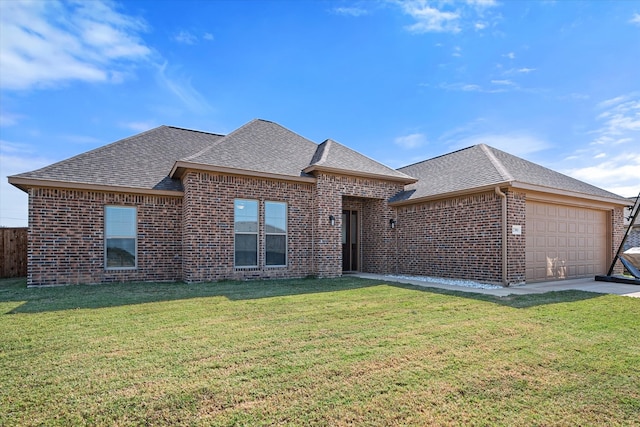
503 82
480 25
190 38
469 87
9 119
575 97
521 70
139 126
45 43
482 3
613 101
182 88
411 141
430 19
185 37
510 55
619 174
614 148
436 16
80 139
635 19
350 11
620 120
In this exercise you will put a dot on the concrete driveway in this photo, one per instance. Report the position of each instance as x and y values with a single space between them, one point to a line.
586 284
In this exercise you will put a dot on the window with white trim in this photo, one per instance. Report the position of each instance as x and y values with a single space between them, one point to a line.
246 232
275 218
121 237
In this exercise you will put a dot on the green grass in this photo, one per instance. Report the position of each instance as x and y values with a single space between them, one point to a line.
314 352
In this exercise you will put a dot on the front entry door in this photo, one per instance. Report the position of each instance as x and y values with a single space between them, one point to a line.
349 240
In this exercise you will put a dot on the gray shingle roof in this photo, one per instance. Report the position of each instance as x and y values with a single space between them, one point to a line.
259 146
483 166
141 161
145 161
332 155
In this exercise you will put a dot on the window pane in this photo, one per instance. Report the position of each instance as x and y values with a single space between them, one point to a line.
120 221
120 229
275 216
121 252
276 250
246 216
246 250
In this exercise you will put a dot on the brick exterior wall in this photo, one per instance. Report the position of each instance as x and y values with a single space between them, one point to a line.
376 237
516 244
457 238
618 227
191 238
208 234
66 237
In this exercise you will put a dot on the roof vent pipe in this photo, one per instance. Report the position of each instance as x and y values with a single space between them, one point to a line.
504 235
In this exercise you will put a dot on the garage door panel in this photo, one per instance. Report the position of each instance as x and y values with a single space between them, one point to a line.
564 242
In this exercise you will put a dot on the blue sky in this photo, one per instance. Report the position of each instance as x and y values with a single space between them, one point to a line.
554 82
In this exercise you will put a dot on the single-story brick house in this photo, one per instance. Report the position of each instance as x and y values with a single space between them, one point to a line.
263 202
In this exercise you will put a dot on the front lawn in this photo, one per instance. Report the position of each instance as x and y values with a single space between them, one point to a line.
314 352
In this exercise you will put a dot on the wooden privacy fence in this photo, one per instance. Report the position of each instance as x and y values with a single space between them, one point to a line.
13 252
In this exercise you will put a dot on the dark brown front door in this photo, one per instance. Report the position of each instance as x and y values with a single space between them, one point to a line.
349 240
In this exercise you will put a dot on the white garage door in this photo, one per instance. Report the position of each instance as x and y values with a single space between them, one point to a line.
565 242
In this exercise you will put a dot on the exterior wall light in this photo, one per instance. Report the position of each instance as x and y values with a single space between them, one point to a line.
332 220
392 223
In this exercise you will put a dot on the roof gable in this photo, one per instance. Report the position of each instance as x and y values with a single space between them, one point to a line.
334 157
259 146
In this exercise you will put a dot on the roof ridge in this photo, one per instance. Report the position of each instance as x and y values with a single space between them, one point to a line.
327 143
502 170
436 157
192 130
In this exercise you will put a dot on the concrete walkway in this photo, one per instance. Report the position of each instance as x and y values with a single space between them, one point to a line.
586 284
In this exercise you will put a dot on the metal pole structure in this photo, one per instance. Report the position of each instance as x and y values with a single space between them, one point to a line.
634 214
